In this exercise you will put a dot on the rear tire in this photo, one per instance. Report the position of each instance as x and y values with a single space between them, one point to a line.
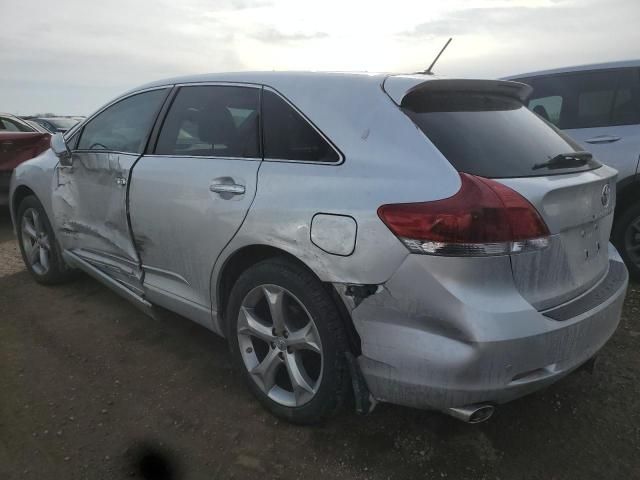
287 338
38 245
626 238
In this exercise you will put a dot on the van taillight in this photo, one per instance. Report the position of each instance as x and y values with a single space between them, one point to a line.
483 218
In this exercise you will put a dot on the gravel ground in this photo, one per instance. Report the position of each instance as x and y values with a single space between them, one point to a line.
86 379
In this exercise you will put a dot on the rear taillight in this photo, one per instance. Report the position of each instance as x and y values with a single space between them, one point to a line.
483 218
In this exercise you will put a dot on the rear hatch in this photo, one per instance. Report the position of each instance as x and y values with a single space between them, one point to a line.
484 129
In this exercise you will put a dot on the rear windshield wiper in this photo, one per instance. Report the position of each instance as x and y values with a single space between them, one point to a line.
565 160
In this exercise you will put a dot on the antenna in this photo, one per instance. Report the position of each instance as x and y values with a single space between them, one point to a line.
428 70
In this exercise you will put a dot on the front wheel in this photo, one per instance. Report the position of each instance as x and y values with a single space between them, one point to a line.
286 336
38 245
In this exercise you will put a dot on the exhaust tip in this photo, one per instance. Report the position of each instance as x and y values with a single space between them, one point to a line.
472 413
482 414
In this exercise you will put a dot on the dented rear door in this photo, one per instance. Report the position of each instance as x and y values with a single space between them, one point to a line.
190 196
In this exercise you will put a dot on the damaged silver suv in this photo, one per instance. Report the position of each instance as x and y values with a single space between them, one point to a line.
410 239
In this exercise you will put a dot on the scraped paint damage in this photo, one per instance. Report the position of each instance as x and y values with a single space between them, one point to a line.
99 221
466 349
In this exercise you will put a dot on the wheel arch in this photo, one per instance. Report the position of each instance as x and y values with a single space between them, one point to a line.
247 256
20 193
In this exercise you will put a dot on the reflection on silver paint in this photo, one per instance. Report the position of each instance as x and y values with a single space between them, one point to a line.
334 234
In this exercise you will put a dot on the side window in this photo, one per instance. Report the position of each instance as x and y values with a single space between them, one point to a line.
123 127
206 121
548 108
595 93
288 136
626 105
588 99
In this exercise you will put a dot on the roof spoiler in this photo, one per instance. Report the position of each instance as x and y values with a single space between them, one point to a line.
398 87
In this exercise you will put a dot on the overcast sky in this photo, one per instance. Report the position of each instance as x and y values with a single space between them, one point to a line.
71 56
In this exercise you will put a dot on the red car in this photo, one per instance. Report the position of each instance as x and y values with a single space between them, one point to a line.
19 142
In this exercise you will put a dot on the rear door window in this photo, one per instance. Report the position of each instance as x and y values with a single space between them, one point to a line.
490 135
212 121
587 99
289 136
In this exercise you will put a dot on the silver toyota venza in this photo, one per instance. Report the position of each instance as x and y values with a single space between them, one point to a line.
357 238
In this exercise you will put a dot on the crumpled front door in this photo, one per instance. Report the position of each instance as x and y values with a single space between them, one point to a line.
90 208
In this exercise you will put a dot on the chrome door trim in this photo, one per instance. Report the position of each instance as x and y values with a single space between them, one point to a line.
210 157
219 84
166 273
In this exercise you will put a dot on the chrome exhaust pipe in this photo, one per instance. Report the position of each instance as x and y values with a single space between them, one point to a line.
477 413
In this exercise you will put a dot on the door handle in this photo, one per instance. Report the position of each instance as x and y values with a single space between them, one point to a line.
231 188
603 139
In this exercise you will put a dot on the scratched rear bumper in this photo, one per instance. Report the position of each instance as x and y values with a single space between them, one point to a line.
440 335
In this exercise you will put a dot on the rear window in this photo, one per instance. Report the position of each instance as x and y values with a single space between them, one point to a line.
489 135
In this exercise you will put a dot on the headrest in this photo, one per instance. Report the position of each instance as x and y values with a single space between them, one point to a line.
216 125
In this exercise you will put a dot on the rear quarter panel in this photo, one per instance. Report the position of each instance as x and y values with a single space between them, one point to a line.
387 159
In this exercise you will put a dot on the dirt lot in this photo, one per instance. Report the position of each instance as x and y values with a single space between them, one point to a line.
85 377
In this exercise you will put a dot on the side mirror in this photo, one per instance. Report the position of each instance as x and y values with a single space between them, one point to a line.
60 148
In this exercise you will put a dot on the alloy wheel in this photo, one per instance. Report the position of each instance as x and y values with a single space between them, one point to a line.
35 241
280 345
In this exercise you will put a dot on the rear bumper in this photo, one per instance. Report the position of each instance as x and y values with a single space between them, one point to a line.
430 340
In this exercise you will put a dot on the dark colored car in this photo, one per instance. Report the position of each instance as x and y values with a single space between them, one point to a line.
56 124
36 126
19 142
